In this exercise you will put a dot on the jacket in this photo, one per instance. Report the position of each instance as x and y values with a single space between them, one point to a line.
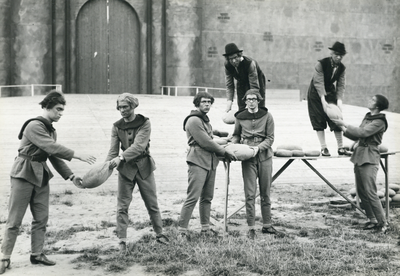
369 135
133 138
38 143
203 150
255 129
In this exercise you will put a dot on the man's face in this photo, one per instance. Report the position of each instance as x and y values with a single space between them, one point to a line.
125 109
235 59
336 57
56 112
205 105
252 102
372 103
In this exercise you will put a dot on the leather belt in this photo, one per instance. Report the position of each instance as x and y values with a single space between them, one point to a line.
33 158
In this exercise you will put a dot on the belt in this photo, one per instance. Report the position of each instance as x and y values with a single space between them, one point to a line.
33 158
366 144
252 140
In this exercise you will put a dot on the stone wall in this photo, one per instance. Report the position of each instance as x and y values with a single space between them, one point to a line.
287 37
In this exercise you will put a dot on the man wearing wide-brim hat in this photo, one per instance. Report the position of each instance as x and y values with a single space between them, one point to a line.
327 86
247 74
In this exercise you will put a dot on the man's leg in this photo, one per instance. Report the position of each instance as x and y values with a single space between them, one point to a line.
265 180
249 173
40 212
206 197
148 191
367 175
21 192
125 189
196 179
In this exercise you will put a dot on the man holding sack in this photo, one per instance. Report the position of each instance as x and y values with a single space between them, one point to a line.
135 166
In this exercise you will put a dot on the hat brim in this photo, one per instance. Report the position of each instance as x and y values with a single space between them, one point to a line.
342 53
228 54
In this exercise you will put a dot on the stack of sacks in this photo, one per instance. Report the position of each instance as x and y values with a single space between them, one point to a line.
393 191
294 151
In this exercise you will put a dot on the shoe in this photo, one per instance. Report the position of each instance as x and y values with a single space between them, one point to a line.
381 228
370 226
251 234
123 248
325 152
272 231
41 259
345 152
209 233
161 238
5 263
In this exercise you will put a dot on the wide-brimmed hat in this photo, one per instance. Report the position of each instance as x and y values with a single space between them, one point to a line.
231 49
339 48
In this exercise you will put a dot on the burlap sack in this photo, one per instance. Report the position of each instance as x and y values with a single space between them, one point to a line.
333 111
229 117
241 151
97 175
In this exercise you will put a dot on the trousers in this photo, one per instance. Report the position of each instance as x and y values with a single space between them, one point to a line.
200 186
23 194
367 191
148 192
252 169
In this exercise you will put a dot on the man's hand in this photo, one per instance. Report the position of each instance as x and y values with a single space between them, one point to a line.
86 158
340 104
115 162
228 106
256 150
229 155
78 182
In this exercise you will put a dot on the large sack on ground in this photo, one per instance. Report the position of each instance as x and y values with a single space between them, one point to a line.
229 117
394 187
283 153
312 153
333 111
383 199
289 147
241 151
380 194
383 148
97 175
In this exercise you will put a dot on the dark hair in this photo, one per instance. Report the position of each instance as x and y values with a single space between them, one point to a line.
52 99
381 102
253 92
197 98
240 54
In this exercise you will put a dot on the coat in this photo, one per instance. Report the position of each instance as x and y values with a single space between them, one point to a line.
133 138
37 142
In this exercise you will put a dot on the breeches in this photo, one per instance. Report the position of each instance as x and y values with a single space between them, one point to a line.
23 194
148 192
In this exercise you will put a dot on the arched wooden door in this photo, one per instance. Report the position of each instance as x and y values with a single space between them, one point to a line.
108 59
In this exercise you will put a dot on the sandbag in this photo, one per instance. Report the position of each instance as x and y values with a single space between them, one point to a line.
97 175
312 153
241 151
383 199
396 198
394 187
297 153
383 148
333 111
229 117
353 192
220 141
289 147
283 153
390 192
380 194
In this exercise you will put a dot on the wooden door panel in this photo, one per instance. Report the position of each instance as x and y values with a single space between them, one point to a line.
123 48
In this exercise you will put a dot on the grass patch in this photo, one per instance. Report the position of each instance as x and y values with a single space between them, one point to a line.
338 250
